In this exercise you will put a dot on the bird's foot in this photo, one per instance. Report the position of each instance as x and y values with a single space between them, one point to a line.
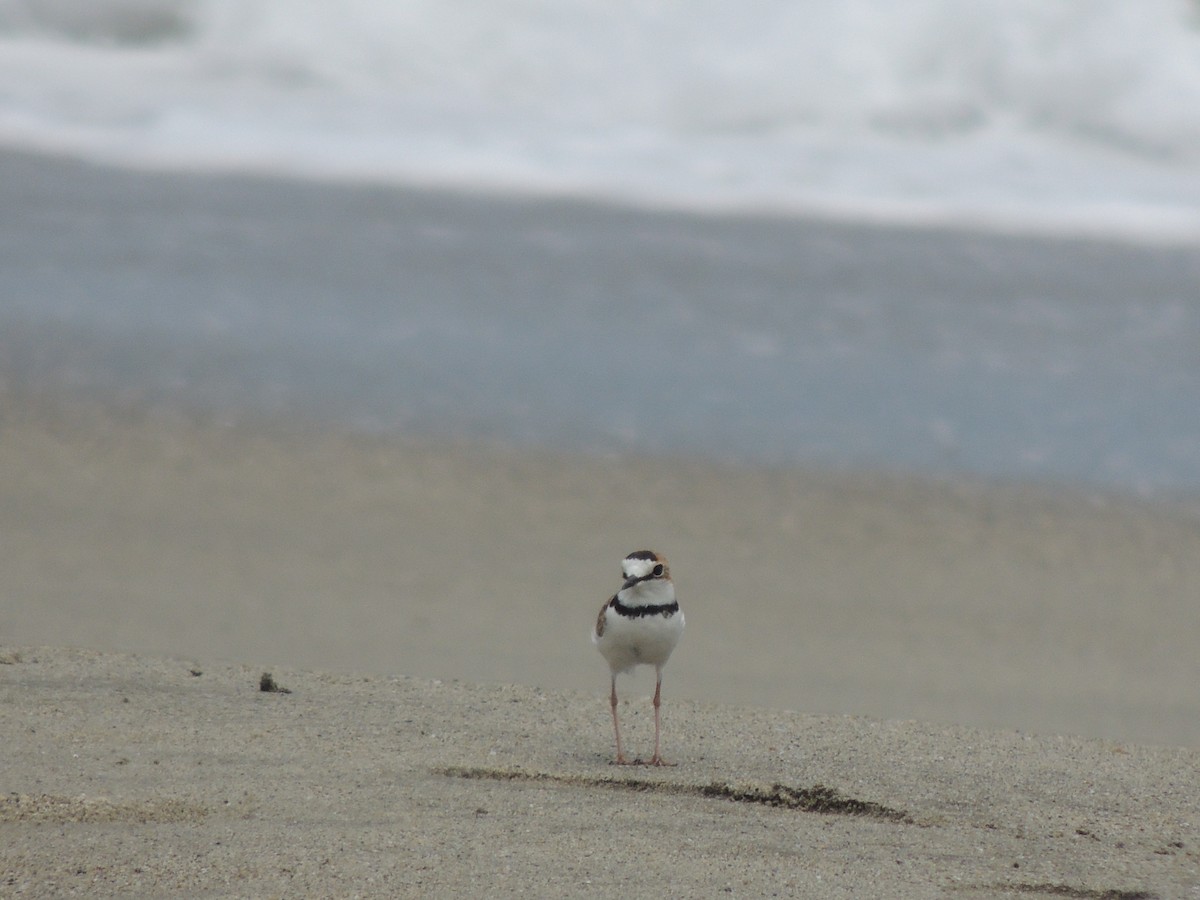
638 761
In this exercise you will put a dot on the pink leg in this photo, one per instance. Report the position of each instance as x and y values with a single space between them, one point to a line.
621 761
656 759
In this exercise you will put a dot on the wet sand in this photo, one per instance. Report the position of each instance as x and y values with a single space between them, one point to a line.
994 606
586 327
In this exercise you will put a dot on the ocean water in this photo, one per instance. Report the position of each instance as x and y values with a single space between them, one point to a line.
1030 308
1067 115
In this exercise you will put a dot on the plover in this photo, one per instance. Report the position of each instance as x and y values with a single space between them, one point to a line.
640 625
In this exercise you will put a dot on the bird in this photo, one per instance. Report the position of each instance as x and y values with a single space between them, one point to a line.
640 625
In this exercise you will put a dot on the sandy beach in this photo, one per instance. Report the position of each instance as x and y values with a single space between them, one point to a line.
890 685
994 606
139 776
359 571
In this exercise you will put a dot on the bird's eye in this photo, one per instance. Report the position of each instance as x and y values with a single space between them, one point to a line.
658 570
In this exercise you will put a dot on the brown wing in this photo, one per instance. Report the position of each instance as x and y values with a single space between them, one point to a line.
600 618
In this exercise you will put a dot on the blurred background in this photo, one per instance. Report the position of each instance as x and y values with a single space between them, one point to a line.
1066 119
957 242
1060 115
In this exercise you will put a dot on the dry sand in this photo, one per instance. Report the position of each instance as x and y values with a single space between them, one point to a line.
134 776
237 551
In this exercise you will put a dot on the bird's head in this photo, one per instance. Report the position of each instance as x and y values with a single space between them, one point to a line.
644 565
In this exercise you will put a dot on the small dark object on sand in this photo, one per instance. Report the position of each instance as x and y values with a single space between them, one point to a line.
267 683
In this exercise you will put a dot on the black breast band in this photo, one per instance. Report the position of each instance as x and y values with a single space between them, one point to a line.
637 612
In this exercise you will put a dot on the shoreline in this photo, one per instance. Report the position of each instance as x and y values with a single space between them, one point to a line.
387 309
1072 230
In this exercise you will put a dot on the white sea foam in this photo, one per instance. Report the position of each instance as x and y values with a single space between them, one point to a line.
1077 115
